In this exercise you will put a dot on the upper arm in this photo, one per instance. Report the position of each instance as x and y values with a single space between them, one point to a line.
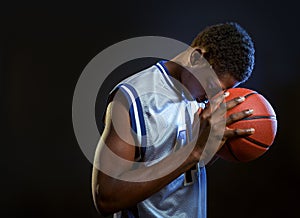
115 152
117 134
116 142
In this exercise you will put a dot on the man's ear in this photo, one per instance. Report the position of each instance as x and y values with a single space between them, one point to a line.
195 56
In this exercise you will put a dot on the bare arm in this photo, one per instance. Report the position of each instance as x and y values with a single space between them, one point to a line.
113 194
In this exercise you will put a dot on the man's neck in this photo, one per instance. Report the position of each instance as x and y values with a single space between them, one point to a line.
174 70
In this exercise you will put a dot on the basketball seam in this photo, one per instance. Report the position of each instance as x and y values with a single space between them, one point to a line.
256 142
272 117
231 151
252 93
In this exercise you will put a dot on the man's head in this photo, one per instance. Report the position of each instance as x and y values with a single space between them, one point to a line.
228 48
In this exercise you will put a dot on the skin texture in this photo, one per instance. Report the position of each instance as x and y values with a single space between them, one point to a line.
112 195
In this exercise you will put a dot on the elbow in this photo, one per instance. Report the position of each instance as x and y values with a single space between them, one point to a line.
103 202
105 207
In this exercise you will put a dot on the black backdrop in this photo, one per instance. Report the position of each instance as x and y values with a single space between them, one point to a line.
45 46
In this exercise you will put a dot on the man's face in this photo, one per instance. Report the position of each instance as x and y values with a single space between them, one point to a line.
197 90
200 79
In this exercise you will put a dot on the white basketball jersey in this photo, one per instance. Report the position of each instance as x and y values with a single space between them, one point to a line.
161 113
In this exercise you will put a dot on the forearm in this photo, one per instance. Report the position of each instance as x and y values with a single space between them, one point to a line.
111 194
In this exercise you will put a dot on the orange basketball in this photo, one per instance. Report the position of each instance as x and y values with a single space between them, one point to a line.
263 120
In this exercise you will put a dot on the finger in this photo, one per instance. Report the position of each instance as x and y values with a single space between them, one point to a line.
214 104
196 117
229 133
238 116
219 97
234 102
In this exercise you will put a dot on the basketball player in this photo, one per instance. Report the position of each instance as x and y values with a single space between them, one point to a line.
150 115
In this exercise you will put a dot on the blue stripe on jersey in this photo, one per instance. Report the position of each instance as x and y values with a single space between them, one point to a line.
131 111
139 107
203 197
136 117
162 63
141 119
165 74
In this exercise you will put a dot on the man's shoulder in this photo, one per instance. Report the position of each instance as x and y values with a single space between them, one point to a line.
142 74
141 80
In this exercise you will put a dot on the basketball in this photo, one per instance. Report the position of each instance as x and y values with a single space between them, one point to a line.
263 120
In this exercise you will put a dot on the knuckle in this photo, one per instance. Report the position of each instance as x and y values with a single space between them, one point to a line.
233 117
223 106
214 128
206 116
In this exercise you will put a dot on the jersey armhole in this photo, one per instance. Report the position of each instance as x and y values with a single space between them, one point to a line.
127 96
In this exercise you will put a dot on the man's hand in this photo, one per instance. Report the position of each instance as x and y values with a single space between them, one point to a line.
213 121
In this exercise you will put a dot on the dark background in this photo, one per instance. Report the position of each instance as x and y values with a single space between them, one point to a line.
45 46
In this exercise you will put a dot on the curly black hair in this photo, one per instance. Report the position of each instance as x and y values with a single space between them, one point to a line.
228 48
